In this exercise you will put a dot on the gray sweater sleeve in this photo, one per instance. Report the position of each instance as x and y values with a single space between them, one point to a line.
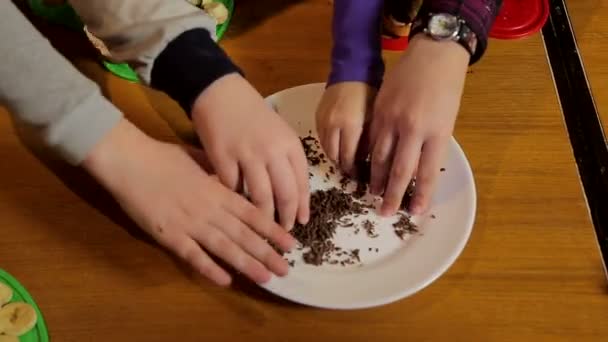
44 90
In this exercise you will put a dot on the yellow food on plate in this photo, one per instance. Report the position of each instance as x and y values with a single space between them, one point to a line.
6 294
17 319
217 10
9 338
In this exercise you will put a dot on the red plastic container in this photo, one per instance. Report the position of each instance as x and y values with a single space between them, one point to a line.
394 44
520 18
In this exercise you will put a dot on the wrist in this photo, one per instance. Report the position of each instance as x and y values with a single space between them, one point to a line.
433 49
210 99
104 160
188 65
369 72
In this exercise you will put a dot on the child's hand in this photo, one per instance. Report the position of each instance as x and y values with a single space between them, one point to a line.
245 137
173 199
341 117
413 120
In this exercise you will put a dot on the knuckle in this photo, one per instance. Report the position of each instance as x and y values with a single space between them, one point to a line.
286 200
264 229
424 180
207 268
262 197
188 252
264 252
240 236
240 260
410 123
399 172
422 198
334 119
219 241
390 111
353 125
253 218
247 264
379 160
249 213
268 229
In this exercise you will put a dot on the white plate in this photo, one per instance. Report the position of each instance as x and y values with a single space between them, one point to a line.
400 267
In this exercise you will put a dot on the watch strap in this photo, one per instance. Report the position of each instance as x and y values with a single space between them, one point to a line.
465 37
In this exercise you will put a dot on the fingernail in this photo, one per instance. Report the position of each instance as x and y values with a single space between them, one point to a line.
264 278
282 270
224 281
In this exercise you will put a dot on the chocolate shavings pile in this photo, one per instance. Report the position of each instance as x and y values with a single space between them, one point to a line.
327 208
404 226
330 209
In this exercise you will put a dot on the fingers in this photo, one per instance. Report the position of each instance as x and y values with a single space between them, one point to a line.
259 186
300 166
401 172
218 243
200 157
190 251
331 146
329 134
381 160
252 244
254 218
228 171
428 171
349 140
285 191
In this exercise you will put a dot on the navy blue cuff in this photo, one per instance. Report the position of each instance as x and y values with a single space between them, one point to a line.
188 65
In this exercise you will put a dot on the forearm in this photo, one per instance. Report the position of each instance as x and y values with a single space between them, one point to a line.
171 44
356 52
42 89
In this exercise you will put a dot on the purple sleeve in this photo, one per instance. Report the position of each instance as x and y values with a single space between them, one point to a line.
356 53
479 15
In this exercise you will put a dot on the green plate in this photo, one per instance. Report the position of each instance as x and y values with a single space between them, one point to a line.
20 294
65 15
60 15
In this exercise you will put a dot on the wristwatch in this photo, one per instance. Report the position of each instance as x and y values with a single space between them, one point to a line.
446 27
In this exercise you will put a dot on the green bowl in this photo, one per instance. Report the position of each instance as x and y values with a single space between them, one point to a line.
66 16
20 294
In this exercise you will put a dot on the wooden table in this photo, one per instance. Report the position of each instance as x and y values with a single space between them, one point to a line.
530 272
591 28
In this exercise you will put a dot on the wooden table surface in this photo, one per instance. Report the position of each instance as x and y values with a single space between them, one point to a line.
591 29
530 272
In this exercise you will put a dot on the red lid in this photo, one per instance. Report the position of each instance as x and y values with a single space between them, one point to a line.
394 44
520 18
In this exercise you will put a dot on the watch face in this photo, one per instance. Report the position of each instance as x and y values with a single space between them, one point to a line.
444 26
